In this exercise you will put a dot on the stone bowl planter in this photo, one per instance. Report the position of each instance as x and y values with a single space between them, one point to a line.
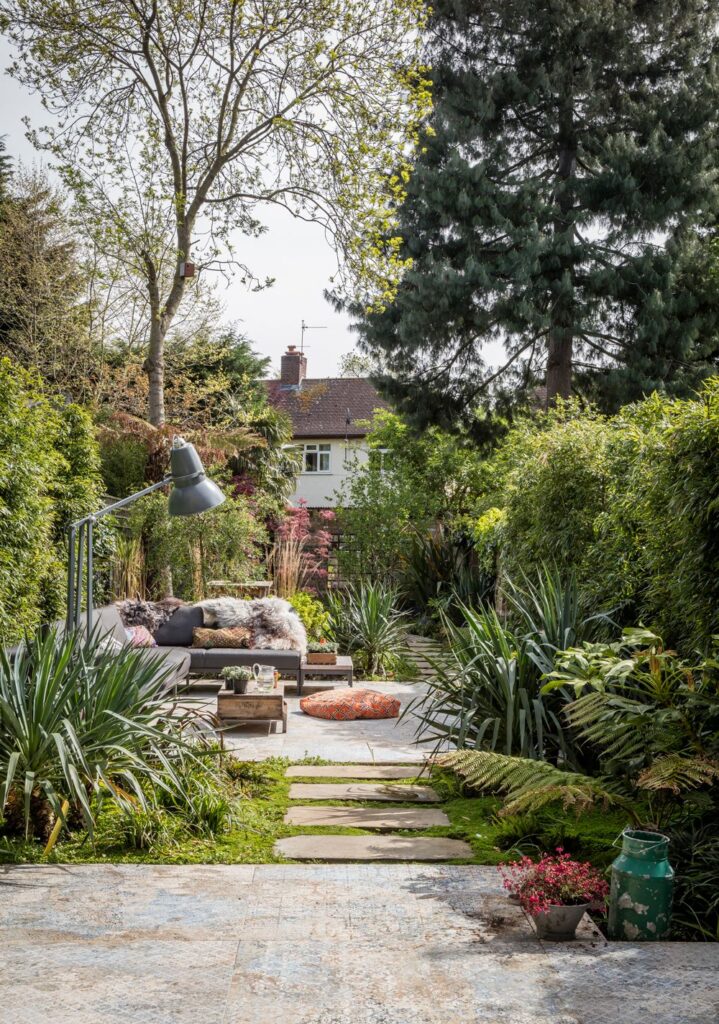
559 923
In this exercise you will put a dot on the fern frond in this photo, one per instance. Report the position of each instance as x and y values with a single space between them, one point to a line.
677 773
529 785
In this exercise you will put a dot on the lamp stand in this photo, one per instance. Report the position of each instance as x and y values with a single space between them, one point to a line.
80 538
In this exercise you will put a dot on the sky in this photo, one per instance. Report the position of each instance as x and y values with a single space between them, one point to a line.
293 252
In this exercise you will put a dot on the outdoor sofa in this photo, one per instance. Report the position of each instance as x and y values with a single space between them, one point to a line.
175 652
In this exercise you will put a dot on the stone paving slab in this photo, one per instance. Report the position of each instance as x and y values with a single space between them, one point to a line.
363 791
364 848
368 817
317 944
353 771
371 740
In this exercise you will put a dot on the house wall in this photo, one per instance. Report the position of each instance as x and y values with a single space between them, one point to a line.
317 489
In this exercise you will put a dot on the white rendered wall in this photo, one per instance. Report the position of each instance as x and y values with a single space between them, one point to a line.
317 489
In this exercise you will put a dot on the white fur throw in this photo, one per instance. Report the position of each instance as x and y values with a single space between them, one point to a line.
274 623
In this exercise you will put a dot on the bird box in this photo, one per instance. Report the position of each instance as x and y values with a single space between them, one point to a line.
187 270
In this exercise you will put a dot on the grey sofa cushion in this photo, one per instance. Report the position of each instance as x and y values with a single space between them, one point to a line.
177 631
175 661
222 657
107 620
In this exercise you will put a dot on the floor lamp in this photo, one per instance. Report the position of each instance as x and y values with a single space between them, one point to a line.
191 493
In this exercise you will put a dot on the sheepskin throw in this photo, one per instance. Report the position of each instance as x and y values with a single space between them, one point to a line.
150 614
274 624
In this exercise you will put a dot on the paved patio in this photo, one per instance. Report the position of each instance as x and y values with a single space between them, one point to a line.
377 740
320 944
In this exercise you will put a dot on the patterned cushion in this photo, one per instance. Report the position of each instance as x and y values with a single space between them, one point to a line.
140 636
231 636
348 704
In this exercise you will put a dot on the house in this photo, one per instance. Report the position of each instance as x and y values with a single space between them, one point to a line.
330 418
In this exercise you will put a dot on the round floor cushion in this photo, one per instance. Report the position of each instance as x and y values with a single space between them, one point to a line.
348 704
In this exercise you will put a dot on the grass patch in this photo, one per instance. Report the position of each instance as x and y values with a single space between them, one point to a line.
259 794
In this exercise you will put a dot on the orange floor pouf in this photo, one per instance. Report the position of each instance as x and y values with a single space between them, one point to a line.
348 704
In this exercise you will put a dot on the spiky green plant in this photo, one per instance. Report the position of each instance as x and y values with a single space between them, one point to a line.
487 690
365 620
81 724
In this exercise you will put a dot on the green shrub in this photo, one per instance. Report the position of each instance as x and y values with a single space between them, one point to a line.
182 554
556 485
365 621
48 476
313 614
631 504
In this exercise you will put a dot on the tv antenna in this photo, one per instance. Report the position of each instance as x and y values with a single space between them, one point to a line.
309 327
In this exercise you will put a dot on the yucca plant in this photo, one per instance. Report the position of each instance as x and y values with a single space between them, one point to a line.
548 615
365 620
485 693
80 725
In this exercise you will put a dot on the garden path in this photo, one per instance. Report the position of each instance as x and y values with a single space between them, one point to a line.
317 944
404 787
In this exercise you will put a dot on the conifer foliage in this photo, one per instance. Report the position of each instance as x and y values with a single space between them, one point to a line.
560 205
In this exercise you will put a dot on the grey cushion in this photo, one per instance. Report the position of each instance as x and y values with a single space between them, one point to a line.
173 660
177 631
222 657
107 620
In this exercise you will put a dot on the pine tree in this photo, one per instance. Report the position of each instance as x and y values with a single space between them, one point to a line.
559 206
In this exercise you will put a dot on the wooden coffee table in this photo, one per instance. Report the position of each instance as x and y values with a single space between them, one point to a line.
343 669
245 708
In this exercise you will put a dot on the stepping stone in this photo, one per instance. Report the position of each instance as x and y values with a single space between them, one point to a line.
353 771
362 791
368 817
330 848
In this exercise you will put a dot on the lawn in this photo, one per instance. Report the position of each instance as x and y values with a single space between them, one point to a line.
259 793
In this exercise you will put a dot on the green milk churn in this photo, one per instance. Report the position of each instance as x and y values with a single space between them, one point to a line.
640 895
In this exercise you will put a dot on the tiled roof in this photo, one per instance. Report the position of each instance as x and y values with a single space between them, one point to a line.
322 406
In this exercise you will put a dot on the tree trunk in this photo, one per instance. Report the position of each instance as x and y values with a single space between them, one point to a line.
162 316
559 366
560 343
155 369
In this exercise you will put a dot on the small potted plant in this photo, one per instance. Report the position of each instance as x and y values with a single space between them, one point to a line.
321 652
556 891
236 678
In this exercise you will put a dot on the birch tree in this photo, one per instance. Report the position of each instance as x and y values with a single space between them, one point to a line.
174 121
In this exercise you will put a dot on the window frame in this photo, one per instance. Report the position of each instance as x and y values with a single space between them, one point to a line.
317 448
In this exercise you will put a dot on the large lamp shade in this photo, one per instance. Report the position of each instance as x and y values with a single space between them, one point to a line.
191 491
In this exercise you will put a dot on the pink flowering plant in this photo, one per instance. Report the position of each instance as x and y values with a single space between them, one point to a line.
554 880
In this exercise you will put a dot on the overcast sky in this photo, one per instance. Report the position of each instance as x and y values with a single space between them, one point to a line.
296 254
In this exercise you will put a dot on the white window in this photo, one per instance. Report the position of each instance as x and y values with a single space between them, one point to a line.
317 458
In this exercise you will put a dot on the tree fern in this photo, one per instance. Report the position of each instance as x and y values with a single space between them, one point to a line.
677 773
529 785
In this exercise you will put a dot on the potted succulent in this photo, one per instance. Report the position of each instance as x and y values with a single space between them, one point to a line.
556 891
236 678
321 652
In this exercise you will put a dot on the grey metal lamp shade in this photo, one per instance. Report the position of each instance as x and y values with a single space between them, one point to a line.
191 491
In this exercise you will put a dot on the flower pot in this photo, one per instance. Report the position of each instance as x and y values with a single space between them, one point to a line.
558 924
321 658
240 685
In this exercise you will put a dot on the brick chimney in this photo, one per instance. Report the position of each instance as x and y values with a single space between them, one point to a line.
293 368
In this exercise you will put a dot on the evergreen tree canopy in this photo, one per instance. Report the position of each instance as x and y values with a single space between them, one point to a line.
567 181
